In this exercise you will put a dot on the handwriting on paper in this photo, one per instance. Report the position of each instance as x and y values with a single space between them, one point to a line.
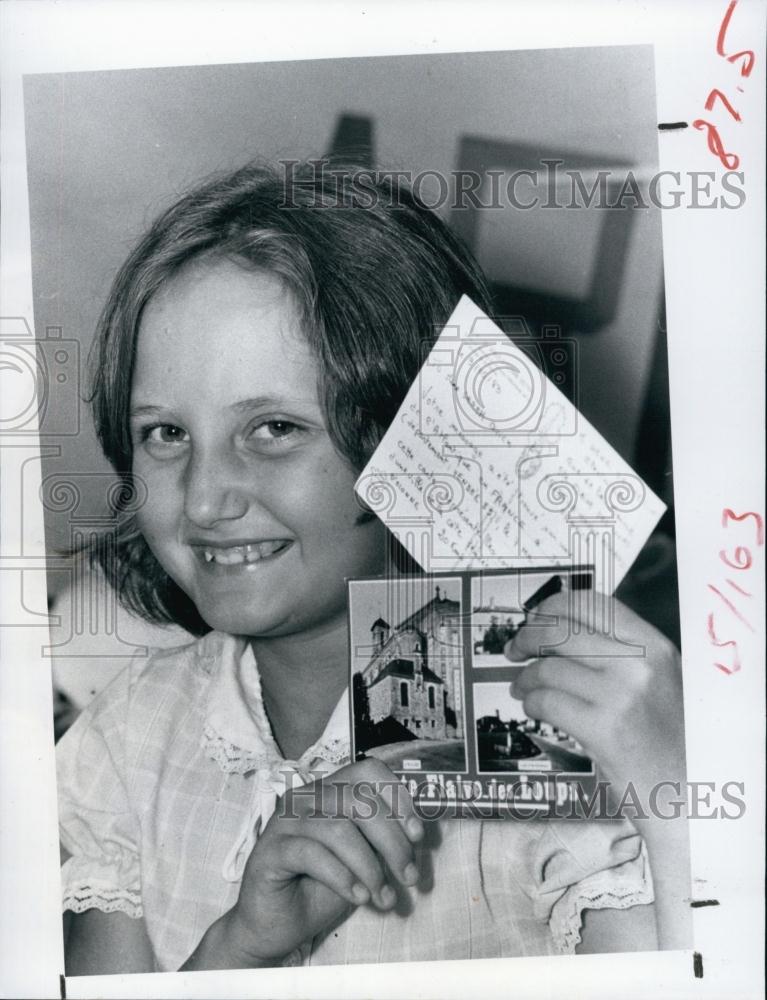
733 599
716 97
488 465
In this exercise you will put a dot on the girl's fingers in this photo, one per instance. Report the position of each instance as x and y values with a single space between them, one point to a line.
341 837
364 815
561 674
591 609
563 711
370 779
585 625
387 836
399 805
307 856
537 642
382 809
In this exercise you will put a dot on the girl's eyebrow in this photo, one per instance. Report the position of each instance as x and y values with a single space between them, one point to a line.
254 403
260 401
140 411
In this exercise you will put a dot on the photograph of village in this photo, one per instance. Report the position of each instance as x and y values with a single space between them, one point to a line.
407 672
507 740
499 606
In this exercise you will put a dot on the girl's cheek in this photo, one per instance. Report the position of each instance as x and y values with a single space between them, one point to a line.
151 523
163 504
160 480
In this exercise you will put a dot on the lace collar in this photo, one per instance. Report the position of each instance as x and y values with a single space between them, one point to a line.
237 734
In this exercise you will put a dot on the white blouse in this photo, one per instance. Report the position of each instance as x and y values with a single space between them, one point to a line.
167 776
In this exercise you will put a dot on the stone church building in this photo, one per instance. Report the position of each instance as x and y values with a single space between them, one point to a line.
415 673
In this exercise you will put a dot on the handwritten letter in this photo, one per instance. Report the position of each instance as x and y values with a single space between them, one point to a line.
488 465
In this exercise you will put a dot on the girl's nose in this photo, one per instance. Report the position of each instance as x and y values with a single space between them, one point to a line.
214 490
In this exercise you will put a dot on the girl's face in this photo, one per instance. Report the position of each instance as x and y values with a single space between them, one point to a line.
250 508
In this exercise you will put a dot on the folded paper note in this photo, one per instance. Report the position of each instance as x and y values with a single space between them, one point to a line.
488 465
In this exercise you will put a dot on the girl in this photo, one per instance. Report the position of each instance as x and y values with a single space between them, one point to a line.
254 348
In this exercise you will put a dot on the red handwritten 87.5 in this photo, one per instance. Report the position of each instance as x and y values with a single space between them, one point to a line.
734 595
730 160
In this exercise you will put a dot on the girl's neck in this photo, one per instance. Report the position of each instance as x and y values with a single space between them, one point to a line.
302 678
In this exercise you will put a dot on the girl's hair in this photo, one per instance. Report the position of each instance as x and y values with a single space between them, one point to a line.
375 275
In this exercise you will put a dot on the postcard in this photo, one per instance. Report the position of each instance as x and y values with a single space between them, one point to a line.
431 694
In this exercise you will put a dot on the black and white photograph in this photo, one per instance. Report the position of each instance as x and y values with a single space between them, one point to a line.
407 675
500 605
254 279
508 741
381 418
497 612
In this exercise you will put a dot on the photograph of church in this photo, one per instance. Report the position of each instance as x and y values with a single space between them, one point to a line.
407 672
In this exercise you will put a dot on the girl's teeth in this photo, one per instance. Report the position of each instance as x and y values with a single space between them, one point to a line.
261 550
242 553
230 557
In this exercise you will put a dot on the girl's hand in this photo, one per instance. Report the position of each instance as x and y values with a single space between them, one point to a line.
332 844
626 710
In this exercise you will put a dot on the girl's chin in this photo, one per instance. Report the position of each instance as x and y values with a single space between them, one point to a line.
273 623
227 620
227 617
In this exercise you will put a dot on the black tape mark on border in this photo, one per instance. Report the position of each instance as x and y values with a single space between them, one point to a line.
704 902
670 126
697 965
62 986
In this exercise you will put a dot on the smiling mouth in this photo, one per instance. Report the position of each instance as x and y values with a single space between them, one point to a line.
243 555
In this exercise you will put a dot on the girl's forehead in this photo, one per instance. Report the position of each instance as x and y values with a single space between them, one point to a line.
216 327
209 283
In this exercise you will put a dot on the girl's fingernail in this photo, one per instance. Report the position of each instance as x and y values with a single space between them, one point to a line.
414 828
411 874
388 896
360 893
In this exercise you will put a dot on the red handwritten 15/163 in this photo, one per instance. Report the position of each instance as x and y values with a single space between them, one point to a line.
732 595
729 160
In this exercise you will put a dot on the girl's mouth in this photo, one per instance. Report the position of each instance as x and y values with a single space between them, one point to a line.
247 555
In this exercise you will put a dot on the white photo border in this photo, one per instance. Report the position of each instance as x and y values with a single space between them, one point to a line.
714 263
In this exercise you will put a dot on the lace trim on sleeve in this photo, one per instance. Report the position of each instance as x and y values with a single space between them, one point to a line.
103 883
618 888
84 896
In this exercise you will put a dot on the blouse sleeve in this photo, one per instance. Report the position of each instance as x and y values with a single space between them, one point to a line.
97 827
588 865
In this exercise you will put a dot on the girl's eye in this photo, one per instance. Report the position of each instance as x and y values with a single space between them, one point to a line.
167 433
161 438
272 432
